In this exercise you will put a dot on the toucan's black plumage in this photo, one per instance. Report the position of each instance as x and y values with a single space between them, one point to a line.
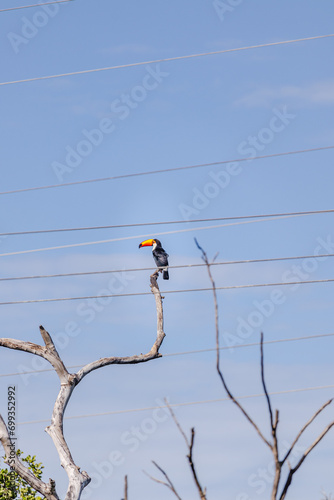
159 255
161 258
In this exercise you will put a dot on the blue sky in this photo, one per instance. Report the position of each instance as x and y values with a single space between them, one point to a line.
217 108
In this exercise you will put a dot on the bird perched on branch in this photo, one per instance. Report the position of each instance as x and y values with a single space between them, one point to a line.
159 255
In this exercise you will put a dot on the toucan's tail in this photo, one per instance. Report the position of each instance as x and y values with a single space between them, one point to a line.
165 274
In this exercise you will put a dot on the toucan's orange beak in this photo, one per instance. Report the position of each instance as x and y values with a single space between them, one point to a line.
146 243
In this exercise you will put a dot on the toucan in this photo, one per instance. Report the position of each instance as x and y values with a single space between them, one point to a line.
159 255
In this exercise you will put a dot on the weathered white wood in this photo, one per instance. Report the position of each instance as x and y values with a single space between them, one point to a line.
53 357
77 480
141 358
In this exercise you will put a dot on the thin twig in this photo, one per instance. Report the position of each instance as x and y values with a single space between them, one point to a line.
230 395
305 454
273 425
177 423
125 488
169 483
202 493
264 384
190 445
304 428
273 421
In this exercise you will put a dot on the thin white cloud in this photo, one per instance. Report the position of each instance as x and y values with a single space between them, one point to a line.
321 92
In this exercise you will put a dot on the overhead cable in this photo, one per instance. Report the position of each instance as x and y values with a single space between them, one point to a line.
183 266
34 5
165 170
138 294
177 405
161 223
168 59
139 236
198 351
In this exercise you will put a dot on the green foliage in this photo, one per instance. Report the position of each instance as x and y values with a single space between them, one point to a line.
13 487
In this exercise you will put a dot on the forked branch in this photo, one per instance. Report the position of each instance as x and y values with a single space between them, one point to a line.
168 483
77 480
301 460
304 428
273 420
190 446
220 373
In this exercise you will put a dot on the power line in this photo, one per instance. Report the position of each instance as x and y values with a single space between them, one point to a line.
136 237
252 344
177 405
165 170
168 59
160 223
137 294
34 5
183 266
198 351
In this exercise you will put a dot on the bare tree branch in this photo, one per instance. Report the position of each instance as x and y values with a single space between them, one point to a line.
304 428
160 314
326 496
273 421
264 384
125 488
190 446
202 493
168 484
48 352
177 423
142 358
305 454
278 463
77 480
53 356
21 345
230 395
273 425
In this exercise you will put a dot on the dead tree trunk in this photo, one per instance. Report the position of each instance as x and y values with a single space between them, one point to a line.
77 479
